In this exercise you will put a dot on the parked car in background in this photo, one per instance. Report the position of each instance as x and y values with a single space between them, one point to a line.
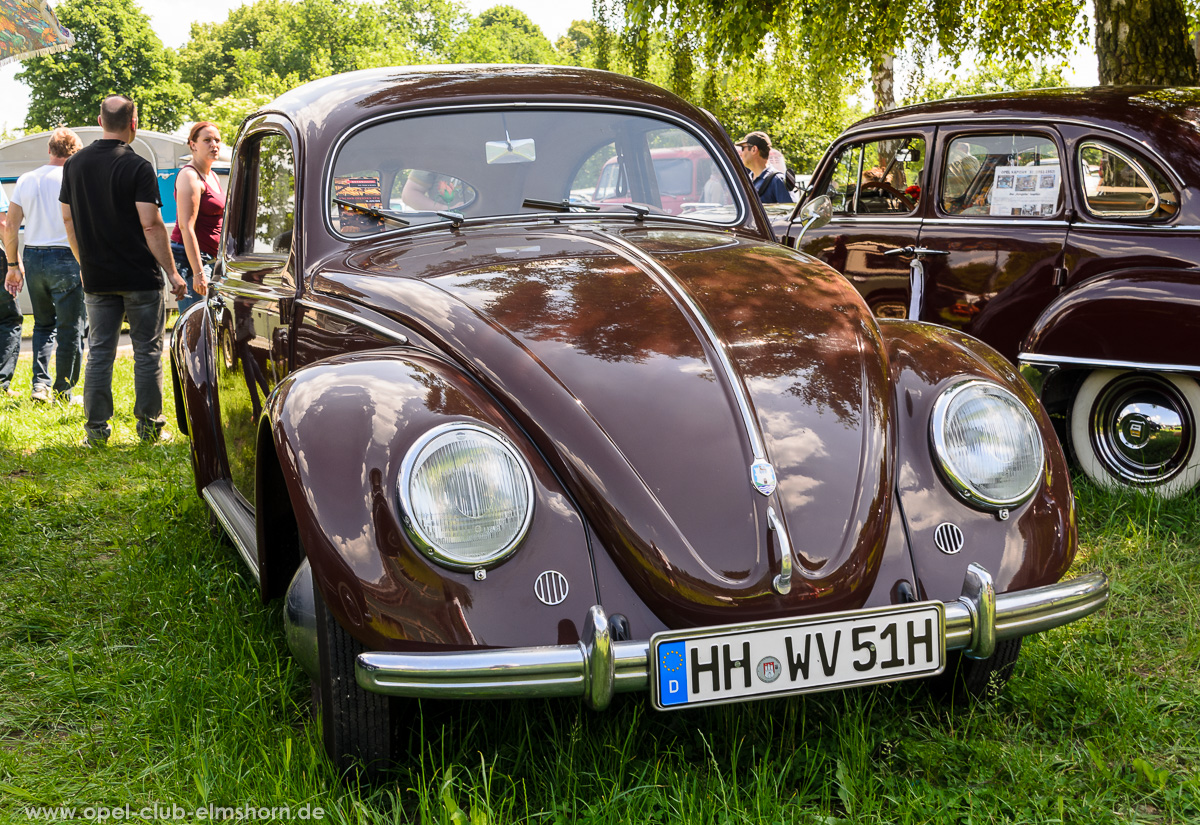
681 172
492 443
1060 226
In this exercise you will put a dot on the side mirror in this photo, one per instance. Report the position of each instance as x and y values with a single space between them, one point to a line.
814 213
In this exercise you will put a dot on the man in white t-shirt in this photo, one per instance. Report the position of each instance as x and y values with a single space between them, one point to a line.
55 290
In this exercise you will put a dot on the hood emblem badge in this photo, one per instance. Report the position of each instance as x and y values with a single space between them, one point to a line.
762 476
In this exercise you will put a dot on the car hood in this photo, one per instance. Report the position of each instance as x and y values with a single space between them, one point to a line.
605 347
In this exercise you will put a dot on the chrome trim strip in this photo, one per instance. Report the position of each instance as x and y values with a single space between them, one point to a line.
1029 359
561 670
1096 222
980 220
379 329
845 217
690 127
236 518
670 284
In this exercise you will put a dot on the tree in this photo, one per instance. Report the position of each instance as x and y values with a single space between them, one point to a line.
116 52
988 77
1144 42
270 46
577 46
503 34
823 43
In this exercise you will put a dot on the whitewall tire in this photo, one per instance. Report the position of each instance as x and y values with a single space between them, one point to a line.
1138 429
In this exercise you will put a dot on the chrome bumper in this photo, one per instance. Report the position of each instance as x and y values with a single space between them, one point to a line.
598 667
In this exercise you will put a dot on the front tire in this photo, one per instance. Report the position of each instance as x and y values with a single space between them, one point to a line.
1138 429
965 678
358 727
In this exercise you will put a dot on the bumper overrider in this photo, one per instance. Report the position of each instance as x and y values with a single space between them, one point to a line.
598 667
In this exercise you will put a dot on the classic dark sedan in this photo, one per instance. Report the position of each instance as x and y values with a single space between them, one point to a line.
1060 226
493 441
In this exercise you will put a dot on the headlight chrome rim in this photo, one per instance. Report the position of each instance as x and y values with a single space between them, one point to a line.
952 475
429 442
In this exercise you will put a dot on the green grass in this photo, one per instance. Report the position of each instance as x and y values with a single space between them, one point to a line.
138 667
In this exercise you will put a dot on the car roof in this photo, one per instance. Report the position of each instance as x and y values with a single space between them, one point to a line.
332 104
1147 114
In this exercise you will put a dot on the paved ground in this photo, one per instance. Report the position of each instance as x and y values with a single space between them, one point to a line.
124 348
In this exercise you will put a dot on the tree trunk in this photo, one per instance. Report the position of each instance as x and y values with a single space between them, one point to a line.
1144 42
881 81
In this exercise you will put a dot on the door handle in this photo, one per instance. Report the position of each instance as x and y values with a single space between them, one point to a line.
916 251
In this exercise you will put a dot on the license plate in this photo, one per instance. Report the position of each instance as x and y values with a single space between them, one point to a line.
708 666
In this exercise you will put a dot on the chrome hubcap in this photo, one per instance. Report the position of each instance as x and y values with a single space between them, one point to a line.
1142 429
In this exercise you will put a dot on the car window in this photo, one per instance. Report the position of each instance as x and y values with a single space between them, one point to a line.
1118 183
271 196
489 163
1009 175
878 177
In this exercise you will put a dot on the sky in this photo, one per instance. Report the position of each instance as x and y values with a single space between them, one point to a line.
172 22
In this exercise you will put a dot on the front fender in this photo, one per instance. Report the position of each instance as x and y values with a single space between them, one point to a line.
1036 543
1126 318
341 429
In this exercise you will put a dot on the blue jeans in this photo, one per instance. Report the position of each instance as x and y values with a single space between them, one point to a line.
56 293
145 310
10 333
179 252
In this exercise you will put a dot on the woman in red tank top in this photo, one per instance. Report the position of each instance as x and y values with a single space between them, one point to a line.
199 207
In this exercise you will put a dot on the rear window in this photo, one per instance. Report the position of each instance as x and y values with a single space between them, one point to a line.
1118 183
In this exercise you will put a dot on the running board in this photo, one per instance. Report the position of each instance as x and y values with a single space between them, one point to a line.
237 519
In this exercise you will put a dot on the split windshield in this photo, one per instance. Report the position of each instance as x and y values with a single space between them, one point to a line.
471 164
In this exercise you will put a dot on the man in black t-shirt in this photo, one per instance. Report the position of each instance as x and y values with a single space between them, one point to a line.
110 204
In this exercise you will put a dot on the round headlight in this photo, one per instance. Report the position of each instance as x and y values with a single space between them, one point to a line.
987 444
467 495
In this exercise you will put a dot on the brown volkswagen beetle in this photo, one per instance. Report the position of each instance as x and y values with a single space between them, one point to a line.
1060 226
492 437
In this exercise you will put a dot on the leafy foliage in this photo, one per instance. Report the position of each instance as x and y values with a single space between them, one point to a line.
811 42
269 46
988 77
116 52
502 34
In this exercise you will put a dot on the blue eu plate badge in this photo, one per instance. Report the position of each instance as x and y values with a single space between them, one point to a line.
672 674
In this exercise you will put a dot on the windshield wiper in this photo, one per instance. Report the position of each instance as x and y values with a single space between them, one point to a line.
558 206
382 214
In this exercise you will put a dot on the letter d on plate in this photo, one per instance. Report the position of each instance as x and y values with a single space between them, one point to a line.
672 674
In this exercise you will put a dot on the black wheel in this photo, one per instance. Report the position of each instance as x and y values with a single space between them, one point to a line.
1138 429
965 678
359 728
